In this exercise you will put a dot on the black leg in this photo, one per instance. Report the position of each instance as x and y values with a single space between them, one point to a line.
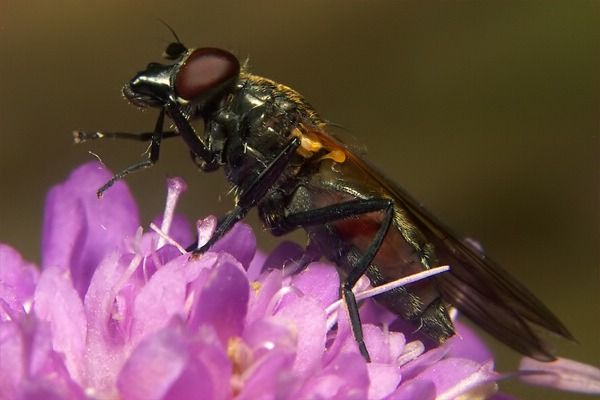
81 136
150 161
254 192
340 211
189 136
359 270
332 213
185 130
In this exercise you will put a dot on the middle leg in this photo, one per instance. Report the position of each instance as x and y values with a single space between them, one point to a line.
337 212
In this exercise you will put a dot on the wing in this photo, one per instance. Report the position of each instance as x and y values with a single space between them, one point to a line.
477 286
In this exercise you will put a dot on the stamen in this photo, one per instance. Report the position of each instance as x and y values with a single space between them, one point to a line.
175 187
278 297
136 243
189 303
166 238
153 256
206 227
389 286
133 265
411 351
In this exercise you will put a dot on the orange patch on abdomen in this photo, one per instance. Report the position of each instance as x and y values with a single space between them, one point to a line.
396 258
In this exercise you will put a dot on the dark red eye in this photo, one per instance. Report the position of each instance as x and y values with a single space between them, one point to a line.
204 71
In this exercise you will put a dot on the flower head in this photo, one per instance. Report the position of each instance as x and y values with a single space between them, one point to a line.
117 313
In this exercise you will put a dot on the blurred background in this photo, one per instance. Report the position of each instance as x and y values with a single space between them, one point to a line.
488 113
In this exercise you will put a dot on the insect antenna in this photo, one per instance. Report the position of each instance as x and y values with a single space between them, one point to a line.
174 49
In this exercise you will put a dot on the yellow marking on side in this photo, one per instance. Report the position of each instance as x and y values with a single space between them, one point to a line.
310 144
304 153
336 155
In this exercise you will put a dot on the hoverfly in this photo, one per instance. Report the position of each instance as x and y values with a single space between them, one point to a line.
278 154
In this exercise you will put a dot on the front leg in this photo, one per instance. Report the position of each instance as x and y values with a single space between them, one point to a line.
184 129
155 140
204 157
85 136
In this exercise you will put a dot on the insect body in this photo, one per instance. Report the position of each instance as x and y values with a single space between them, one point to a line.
278 154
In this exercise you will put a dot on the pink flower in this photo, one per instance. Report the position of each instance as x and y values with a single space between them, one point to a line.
115 313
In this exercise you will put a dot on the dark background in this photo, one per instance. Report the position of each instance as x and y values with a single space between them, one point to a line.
488 113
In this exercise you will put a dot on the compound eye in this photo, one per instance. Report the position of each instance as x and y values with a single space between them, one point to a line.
204 72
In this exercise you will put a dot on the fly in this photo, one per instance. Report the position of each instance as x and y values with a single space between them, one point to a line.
279 156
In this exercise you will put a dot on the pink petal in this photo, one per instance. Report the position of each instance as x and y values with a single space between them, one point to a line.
57 303
269 378
420 389
384 378
163 366
17 281
262 294
223 300
454 376
345 377
240 242
107 345
13 357
40 389
256 265
384 347
29 368
424 360
320 281
267 334
466 344
160 299
344 340
284 254
563 374
80 229
306 318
